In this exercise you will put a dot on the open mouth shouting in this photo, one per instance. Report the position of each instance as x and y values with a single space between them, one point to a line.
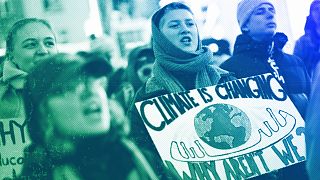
186 40
92 110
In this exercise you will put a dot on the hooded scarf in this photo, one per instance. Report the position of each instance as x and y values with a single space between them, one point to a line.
11 81
169 59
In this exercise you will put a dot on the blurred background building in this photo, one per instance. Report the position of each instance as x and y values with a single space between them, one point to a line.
126 22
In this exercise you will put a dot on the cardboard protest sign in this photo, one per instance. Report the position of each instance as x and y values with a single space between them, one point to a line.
240 129
13 139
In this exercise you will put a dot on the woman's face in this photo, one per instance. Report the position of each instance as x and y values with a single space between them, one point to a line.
262 23
180 28
81 110
31 43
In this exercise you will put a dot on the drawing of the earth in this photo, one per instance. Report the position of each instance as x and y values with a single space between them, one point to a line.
223 126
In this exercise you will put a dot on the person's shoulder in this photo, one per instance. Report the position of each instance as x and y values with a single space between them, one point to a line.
305 37
150 89
292 59
304 40
225 75
231 63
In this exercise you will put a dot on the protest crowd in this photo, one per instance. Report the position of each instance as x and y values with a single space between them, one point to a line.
81 116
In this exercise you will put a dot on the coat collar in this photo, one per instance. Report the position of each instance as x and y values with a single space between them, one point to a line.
244 44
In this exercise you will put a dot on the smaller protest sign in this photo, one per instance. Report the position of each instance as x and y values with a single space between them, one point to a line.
13 139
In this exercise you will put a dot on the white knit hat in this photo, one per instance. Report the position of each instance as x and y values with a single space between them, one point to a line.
246 8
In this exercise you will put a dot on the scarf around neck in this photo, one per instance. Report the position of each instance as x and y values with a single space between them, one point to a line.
12 75
169 58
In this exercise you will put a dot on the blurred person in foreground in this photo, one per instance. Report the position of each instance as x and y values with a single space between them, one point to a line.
258 50
71 124
307 46
28 41
181 64
313 128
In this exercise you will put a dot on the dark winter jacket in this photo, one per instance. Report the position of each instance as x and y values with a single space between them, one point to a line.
250 58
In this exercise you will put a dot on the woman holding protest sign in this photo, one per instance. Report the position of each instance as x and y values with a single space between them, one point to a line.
71 124
28 41
181 63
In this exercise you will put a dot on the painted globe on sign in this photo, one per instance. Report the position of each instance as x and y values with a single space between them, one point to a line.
223 126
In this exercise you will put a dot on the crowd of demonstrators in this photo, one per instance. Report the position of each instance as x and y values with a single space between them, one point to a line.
258 50
70 124
76 105
313 128
25 47
181 63
307 46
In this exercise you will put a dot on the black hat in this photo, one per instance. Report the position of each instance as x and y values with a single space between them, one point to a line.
140 56
51 76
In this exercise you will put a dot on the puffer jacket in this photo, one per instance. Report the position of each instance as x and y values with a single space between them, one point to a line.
250 58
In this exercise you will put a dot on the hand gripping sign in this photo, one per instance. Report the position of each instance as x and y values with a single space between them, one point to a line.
237 130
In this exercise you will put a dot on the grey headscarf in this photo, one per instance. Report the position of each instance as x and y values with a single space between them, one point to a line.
169 58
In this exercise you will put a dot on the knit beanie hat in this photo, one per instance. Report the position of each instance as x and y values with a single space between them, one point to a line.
246 8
